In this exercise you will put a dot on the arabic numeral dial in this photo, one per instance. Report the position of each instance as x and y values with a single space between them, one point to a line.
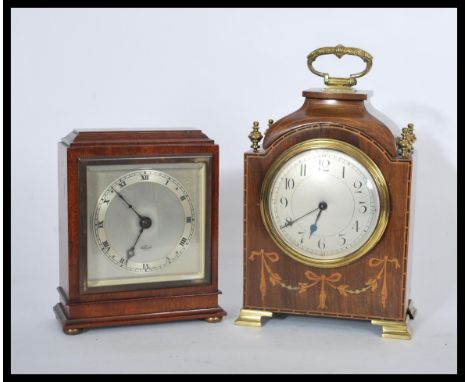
323 204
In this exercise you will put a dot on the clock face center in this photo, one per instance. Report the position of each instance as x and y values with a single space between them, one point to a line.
323 205
145 222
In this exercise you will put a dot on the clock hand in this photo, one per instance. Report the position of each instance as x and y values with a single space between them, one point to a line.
313 227
127 203
323 206
291 222
145 223
131 250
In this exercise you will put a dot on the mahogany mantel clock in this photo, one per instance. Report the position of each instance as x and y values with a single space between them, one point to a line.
138 228
326 211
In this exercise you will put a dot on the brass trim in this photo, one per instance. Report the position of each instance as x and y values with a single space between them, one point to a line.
252 318
393 329
358 155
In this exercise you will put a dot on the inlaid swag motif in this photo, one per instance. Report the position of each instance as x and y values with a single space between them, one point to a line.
324 282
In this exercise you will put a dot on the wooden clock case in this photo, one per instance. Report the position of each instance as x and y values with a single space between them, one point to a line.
370 288
77 310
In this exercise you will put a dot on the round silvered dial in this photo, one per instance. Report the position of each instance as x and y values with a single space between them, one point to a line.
143 221
325 202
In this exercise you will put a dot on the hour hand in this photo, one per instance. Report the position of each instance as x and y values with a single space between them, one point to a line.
131 250
313 228
130 253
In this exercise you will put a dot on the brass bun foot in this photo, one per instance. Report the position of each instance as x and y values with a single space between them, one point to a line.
249 317
213 320
73 331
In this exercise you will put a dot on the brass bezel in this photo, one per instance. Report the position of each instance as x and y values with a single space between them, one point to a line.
368 164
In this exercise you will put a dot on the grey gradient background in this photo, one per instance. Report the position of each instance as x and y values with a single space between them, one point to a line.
218 70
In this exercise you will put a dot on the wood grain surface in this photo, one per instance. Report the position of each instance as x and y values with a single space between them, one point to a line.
79 310
372 287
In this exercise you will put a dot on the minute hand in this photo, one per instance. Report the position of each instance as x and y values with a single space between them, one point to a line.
127 203
291 222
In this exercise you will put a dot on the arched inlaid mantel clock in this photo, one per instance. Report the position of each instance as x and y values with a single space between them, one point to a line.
327 209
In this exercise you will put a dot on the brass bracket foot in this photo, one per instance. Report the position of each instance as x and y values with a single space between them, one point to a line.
250 317
213 320
393 329
72 331
397 329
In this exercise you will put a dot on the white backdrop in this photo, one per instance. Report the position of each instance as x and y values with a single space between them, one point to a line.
218 70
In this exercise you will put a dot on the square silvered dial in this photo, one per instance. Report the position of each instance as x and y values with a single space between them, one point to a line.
145 222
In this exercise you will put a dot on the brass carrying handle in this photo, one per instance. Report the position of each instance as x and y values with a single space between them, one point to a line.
340 51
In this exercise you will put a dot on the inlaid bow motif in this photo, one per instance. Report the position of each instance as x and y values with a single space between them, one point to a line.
375 262
326 281
323 279
274 278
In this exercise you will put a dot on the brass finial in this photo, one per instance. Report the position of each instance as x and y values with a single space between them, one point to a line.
406 141
255 136
270 123
411 135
